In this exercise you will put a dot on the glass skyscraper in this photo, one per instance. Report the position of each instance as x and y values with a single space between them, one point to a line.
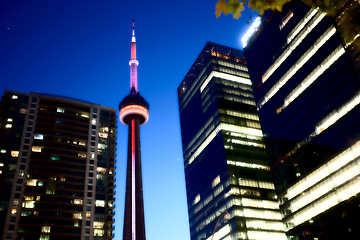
57 168
226 166
307 92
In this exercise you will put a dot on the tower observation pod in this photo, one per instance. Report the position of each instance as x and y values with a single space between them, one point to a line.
134 111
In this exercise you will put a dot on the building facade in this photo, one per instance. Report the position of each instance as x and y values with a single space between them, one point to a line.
226 166
306 88
57 168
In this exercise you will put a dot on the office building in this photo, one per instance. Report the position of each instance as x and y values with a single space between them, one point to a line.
134 111
306 88
57 168
226 166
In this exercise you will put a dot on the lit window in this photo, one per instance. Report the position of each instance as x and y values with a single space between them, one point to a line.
82 155
21 174
55 158
98 232
76 224
50 191
98 224
14 153
28 204
88 215
28 198
82 143
0 171
9 119
14 97
100 203
45 229
8 125
101 170
60 110
77 215
22 110
39 137
93 121
13 211
3 150
31 182
103 135
92 155
44 237
216 181
78 201
102 146
36 149
197 199
62 179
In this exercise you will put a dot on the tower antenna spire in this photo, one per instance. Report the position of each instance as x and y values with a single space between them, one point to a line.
133 62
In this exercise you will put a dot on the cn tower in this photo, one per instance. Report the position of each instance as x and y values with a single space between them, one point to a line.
134 111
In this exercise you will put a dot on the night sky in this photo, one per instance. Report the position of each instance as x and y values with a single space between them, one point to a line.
81 49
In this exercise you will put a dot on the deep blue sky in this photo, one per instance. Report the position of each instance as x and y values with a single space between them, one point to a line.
81 49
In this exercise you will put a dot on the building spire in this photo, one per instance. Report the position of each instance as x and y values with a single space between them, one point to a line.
133 32
133 62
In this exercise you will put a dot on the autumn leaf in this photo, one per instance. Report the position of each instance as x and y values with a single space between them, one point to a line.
221 7
235 7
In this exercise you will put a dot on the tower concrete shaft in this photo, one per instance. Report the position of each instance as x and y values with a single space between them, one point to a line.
134 112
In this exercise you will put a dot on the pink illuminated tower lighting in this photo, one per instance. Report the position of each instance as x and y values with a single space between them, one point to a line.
134 111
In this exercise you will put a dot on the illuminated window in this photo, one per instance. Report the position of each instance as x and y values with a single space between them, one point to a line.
8 125
28 198
38 136
14 153
62 179
1 164
60 110
77 215
9 119
31 182
22 110
13 211
100 203
14 97
197 199
99 224
50 191
45 229
28 204
36 149
88 215
93 121
0 171
103 135
78 201
216 181
101 170
76 224
44 237
82 143
3 150
55 158
100 176
102 146
98 232
82 155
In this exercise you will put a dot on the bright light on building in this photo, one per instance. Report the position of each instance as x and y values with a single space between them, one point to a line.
250 31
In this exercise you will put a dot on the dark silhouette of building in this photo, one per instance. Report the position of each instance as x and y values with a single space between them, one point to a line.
57 168
134 111
306 88
226 167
